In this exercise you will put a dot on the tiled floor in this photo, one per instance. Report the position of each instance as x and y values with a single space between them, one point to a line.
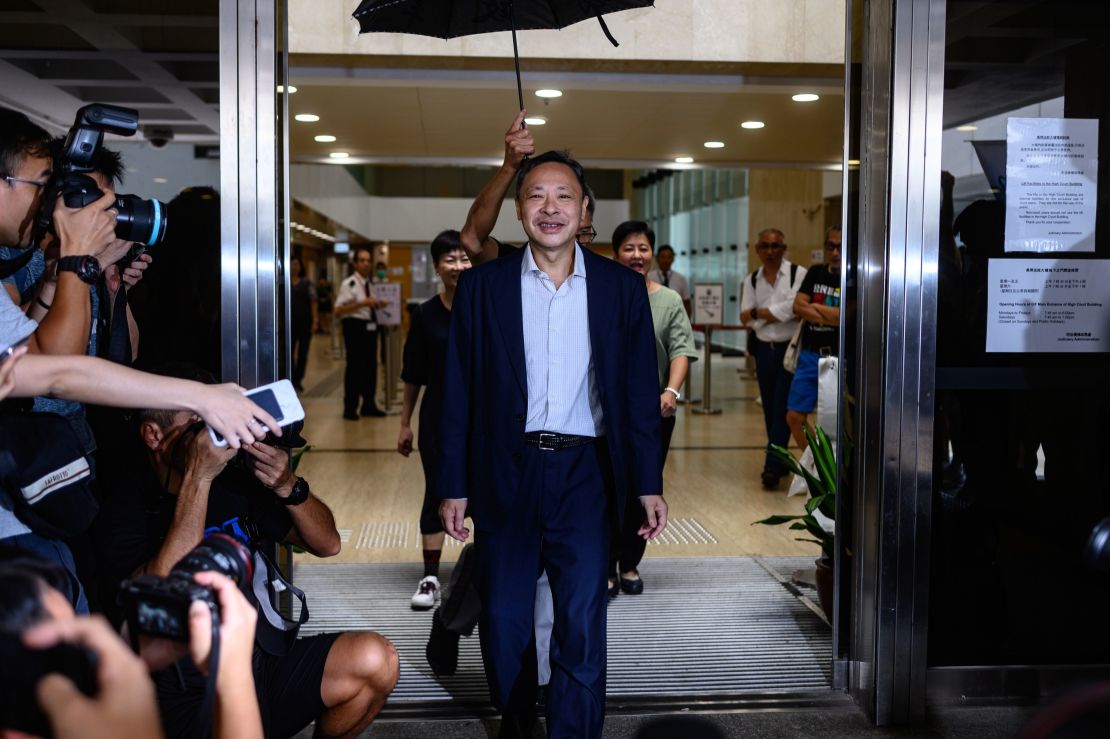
711 479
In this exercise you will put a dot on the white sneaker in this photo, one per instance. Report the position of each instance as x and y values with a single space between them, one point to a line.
427 593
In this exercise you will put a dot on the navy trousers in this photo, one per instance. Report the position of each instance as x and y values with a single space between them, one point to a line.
774 389
561 523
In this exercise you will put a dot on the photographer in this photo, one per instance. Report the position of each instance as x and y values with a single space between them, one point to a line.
175 487
32 609
83 234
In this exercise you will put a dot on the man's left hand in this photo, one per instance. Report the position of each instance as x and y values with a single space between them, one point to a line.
271 467
656 509
134 271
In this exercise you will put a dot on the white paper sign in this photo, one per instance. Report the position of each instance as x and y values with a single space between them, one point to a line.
1051 184
390 315
709 303
1048 305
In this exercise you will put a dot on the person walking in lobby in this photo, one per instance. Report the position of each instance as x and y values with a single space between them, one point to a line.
633 246
550 420
767 306
355 305
667 277
424 353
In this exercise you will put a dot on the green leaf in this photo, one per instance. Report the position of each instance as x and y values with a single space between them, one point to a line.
776 520
798 526
811 541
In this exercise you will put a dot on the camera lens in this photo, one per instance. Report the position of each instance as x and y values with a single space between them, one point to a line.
140 220
218 553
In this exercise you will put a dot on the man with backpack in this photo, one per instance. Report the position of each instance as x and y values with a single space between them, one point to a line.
767 305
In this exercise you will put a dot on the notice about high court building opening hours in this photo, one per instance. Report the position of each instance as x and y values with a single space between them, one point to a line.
1048 305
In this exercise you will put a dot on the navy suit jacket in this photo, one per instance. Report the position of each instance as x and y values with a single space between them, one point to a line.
485 399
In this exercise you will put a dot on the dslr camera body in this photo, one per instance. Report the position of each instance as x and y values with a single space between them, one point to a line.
137 220
159 606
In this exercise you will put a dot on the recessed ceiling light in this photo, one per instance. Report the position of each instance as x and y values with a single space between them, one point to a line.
290 89
805 97
306 117
714 144
339 155
752 125
968 127
325 138
161 180
535 121
549 93
683 160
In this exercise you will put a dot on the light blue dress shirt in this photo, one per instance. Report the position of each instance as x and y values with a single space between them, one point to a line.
562 388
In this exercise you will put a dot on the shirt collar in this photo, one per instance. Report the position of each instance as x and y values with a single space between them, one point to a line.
529 264
784 268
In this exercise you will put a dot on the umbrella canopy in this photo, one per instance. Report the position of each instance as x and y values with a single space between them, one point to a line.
453 18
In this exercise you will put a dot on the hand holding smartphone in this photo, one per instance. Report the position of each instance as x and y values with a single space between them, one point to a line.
279 399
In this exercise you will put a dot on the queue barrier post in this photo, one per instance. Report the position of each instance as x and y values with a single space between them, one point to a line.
706 407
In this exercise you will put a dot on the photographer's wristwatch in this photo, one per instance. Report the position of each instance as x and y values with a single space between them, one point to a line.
299 494
86 267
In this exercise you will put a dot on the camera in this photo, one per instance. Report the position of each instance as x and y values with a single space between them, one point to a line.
24 667
159 606
138 220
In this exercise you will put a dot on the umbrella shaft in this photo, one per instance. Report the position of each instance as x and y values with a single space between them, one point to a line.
516 58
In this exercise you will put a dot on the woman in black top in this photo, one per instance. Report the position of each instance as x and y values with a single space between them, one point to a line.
424 359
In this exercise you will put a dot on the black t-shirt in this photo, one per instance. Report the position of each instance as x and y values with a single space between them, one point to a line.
425 358
137 514
823 288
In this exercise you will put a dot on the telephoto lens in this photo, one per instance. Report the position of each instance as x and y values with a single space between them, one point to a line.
217 553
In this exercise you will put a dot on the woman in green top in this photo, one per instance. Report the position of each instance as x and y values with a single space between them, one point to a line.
634 247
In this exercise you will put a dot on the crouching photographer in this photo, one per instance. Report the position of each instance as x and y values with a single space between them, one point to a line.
71 676
173 488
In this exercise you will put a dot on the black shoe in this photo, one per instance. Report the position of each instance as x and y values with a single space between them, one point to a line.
517 725
614 589
350 415
770 481
372 411
443 648
632 587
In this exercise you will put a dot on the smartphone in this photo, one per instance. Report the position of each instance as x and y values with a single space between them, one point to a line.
7 351
279 399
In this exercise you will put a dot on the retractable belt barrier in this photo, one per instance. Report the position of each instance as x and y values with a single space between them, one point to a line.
706 407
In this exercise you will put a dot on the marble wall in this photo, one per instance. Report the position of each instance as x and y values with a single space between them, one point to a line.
769 31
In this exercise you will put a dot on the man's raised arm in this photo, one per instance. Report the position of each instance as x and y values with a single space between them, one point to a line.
475 234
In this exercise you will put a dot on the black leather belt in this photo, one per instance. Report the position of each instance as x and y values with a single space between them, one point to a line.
549 441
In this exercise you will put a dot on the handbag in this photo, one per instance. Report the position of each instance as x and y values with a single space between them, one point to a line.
793 349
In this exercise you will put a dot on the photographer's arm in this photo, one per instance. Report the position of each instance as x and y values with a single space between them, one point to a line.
313 523
64 329
187 529
90 380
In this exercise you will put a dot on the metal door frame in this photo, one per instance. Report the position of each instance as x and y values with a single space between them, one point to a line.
901 98
254 198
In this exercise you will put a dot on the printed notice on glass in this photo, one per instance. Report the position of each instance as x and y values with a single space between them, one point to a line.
1051 184
1048 305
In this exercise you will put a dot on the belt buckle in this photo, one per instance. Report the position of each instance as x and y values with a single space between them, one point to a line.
547 441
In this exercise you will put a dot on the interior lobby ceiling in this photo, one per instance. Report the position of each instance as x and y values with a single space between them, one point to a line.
162 58
607 117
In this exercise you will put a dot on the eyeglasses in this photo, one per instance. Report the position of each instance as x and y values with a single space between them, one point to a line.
36 183
832 246
770 245
587 235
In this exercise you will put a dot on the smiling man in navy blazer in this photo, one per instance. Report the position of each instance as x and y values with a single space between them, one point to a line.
550 421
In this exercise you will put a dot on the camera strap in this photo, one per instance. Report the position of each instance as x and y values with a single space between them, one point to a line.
115 345
268 584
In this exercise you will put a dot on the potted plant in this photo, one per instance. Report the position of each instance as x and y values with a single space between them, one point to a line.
822 501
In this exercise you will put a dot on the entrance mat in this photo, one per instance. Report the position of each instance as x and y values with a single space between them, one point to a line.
710 626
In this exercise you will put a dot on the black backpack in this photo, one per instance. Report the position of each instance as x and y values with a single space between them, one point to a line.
44 471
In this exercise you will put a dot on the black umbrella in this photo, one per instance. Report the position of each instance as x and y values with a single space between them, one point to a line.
453 18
